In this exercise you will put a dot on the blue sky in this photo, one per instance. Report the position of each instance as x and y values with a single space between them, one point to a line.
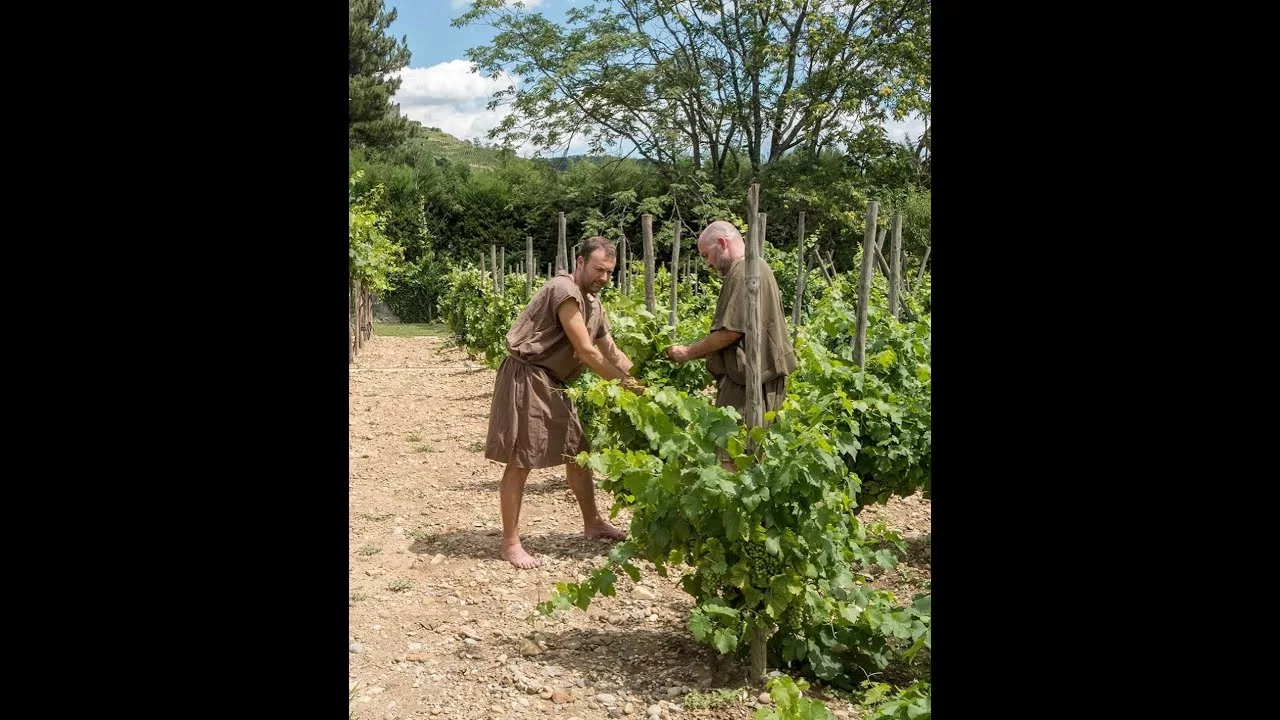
437 88
431 38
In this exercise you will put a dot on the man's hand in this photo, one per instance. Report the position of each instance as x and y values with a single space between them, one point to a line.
717 340
632 384
678 353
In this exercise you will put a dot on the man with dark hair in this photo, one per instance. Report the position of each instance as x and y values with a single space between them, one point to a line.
532 422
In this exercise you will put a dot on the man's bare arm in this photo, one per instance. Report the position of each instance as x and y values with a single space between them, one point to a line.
717 340
571 319
613 353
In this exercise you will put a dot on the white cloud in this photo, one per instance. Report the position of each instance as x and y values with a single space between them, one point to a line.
446 83
911 127
451 97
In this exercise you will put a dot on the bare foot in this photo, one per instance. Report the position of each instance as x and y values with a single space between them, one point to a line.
516 555
603 530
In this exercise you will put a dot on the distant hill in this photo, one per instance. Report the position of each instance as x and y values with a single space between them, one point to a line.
455 150
442 144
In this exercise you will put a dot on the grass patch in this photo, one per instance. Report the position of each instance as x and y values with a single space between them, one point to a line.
700 701
414 438
400 585
370 550
410 329
421 535
377 518
357 596
477 447
424 449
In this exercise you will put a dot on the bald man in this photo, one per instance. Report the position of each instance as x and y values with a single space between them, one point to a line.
722 247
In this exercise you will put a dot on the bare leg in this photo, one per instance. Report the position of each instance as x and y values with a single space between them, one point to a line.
511 495
593 526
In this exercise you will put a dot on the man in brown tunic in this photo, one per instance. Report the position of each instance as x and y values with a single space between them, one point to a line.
721 245
532 422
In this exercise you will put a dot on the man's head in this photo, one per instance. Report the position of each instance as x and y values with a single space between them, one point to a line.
720 244
594 264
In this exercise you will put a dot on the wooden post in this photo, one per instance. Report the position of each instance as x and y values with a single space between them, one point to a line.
528 265
822 264
351 348
493 265
502 263
800 280
622 260
562 252
755 405
760 236
646 228
573 259
751 340
549 275
895 266
864 285
925 261
359 334
884 266
675 273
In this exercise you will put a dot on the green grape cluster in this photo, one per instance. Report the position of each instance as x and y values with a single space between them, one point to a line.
795 619
762 564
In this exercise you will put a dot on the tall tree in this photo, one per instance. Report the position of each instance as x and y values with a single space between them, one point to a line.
375 58
725 82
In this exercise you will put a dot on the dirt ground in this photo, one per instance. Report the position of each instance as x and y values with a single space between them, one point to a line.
441 627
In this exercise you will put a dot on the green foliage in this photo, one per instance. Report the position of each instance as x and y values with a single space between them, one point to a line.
716 698
909 703
477 315
889 401
645 337
372 258
374 59
775 546
789 703
418 288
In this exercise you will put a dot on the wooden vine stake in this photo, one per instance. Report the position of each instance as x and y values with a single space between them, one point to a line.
528 265
923 263
493 264
646 229
675 274
864 285
755 403
562 252
622 261
895 265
